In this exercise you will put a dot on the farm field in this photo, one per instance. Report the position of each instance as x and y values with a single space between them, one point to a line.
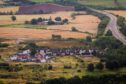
84 23
60 44
37 33
13 9
6 19
118 12
101 4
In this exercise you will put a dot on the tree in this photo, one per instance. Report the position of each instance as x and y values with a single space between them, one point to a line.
50 22
90 67
99 66
58 19
88 39
33 21
111 65
50 67
26 22
65 21
13 18
40 19
74 29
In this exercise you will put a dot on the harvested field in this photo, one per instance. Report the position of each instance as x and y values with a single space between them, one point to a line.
37 33
9 9
6 19
84 23
118 12
60 44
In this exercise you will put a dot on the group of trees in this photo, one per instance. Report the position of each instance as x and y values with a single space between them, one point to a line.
122 23
2 45
56 37
49 21
7 13
10 68
110 65
113 52
103 79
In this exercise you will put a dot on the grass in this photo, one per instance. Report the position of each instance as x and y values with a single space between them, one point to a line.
40 1
101 4
24 26
104 3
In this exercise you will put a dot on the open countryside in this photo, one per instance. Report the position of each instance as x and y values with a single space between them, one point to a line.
62 42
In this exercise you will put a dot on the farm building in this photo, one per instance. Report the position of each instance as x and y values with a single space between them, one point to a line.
44 8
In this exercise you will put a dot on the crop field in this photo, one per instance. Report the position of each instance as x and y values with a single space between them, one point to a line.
118 12
101 4
60 44
84 23
104 3
6 19
9 9
37 33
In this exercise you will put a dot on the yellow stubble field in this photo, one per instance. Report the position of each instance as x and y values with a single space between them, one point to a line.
118 12
84 23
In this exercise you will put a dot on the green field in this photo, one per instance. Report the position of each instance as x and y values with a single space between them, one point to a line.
104 3
38 1
101 4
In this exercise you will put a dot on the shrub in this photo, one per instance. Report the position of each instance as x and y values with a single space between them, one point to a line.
50 67
27 22
13 18
58 19
99 66
90 67
74 29
33 21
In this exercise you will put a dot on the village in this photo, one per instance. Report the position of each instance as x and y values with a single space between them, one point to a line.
44 55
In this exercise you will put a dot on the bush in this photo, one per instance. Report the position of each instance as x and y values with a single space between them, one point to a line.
58 19
112 65
90 67
40 19
4 45
74 29
65 21
88 39
13 18
99 66
56 37
27 22
50 67
67 67
33 21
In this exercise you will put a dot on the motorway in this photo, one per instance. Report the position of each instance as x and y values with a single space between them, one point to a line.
112 26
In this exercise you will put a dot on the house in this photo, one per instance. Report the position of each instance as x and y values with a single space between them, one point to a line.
44 8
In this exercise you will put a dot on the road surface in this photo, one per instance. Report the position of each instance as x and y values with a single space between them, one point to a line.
112 26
